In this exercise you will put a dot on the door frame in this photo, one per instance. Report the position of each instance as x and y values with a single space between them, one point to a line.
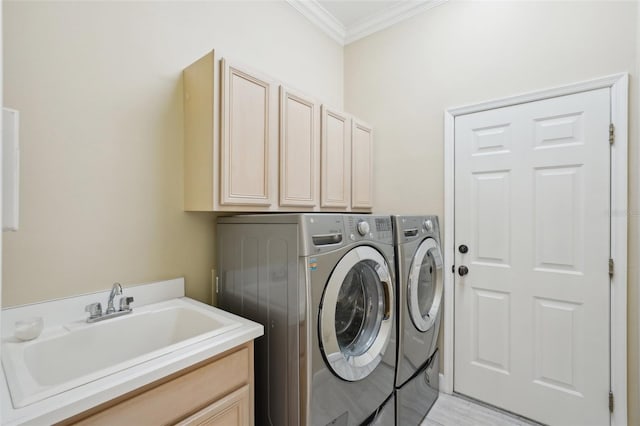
619 85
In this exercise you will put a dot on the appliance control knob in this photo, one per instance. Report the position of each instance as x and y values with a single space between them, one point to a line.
428 225
363 228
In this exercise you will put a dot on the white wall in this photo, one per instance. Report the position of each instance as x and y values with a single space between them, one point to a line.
99 88
402 79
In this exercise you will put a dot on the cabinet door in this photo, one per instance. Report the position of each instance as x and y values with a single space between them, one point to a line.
361 165
336 159
299 150
249 132
232 410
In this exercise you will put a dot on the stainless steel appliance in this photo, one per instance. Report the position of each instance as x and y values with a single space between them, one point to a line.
420 289
323 287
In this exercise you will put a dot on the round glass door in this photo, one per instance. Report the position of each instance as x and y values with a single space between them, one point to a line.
356 315
425 285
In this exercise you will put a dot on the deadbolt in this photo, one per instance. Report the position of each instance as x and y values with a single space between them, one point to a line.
463 270
463 249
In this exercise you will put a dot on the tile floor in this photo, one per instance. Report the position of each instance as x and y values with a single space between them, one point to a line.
452 410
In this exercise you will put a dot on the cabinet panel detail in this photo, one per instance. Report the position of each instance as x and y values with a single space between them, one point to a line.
336 159
247 137
299 150
232 410
361 166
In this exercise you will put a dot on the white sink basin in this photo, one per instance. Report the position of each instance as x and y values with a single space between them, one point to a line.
78 353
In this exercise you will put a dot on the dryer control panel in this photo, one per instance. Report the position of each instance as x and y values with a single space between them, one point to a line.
411 228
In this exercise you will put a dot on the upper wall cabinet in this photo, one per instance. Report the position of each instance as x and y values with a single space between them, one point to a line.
347 162
361 165
249 137
336 159
299 150
231 137
248 148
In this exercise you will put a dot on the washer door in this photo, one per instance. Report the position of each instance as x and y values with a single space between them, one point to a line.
356 314
425 284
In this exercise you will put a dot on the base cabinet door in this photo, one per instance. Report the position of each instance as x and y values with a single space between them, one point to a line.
232 410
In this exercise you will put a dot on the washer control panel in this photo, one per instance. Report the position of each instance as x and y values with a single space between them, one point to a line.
363 228
383 224
368 227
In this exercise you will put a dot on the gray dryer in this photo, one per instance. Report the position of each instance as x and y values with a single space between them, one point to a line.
420 291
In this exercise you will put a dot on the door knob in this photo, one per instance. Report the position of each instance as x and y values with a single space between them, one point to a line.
463 270
463 249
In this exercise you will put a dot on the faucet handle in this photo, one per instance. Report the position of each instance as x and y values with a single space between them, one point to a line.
116 288
124 303
94 309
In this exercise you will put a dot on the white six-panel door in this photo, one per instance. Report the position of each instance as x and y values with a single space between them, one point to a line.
532 196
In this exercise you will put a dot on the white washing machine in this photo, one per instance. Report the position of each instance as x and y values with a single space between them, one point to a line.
420 290
323 286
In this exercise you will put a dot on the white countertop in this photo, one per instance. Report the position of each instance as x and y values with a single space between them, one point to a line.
69 403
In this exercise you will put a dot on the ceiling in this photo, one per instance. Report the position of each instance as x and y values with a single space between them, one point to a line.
349 20
350 12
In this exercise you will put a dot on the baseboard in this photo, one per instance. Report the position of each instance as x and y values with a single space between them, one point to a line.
442 387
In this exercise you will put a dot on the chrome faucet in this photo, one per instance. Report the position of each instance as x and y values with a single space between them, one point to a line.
116 290
95 309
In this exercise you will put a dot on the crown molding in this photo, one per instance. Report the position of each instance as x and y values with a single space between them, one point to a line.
319 16
388 17
322 18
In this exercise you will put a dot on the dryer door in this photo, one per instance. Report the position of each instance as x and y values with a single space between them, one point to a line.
425 284
356 314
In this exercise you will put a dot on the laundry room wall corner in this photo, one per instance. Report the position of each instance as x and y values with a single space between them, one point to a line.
447 56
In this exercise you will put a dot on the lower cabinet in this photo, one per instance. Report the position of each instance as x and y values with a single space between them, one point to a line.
232 410
218 391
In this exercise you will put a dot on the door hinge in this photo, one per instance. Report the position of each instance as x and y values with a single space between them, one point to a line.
217 286
611 402
611 267
612 133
